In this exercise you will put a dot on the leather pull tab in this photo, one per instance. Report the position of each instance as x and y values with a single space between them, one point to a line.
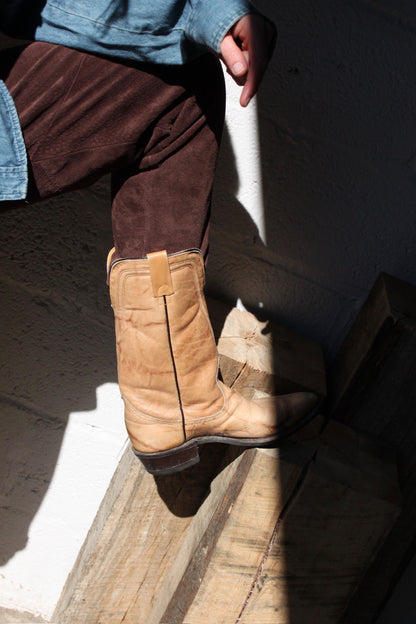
160 273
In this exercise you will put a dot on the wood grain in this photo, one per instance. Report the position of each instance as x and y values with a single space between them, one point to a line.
268 357
258 536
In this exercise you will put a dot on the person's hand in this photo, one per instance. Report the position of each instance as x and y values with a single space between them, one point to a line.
246 50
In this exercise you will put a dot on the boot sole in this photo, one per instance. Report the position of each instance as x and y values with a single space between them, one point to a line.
187 454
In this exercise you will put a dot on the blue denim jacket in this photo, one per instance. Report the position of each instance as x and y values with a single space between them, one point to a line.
158 31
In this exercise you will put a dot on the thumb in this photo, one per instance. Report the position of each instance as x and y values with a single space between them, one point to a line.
233 57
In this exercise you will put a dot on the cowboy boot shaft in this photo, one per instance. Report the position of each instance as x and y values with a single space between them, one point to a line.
168 368
166 352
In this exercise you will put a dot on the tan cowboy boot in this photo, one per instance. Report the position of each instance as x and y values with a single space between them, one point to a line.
168 364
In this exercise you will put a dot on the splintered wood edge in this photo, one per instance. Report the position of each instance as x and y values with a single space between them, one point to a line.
280 355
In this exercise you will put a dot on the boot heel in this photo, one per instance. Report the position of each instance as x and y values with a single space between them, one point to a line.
171 461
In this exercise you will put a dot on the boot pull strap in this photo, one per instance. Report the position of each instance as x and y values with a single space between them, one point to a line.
160 273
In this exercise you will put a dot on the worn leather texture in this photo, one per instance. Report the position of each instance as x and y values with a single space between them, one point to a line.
168 362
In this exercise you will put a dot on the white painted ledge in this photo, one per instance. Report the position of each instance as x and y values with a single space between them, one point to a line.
92 447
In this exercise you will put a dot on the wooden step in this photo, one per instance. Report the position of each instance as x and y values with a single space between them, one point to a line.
262 356
247 536
373 390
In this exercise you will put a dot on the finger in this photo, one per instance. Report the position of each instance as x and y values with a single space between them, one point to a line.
233 57
255 75
259 51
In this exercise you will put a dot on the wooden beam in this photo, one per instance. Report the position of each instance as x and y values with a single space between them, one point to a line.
267 357
247 536
373 390
283 535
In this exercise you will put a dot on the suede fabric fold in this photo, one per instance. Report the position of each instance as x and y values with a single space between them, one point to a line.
156 129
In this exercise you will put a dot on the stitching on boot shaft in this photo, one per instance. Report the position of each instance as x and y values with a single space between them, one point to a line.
174 367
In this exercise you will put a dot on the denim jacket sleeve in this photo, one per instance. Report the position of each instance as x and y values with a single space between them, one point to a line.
211 20
13 162
159 31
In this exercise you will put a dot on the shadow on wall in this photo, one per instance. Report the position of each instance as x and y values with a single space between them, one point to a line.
338 144
270 284
234 243
57 342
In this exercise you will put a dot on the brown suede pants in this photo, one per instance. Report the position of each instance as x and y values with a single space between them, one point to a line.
156 129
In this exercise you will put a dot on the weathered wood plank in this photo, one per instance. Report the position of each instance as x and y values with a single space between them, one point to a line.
136 545
207 521
303 529
189 569
234 546
373 389
223 541
146 534
327 536
268 357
